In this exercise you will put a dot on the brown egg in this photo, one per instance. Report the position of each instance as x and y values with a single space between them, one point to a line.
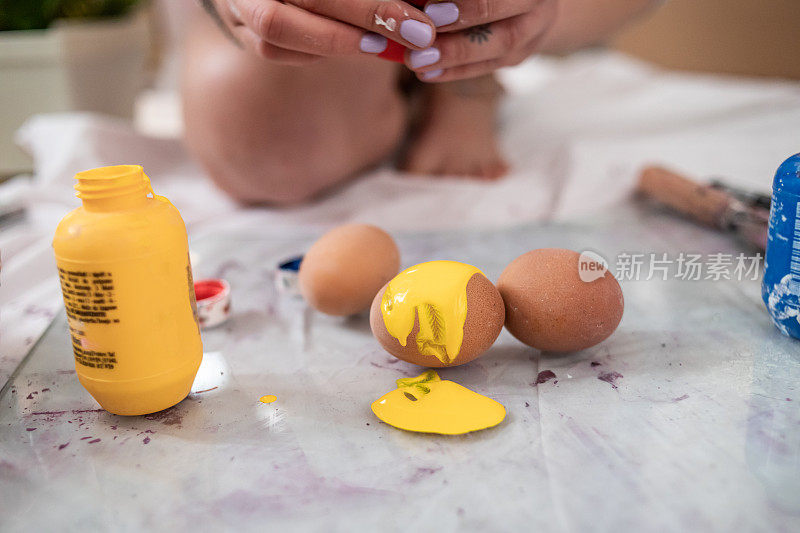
482 325
341 272
549 307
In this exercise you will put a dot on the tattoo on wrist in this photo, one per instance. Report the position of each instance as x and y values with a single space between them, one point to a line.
211 8
478 34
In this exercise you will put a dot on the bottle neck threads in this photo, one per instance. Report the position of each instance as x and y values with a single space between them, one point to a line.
113 188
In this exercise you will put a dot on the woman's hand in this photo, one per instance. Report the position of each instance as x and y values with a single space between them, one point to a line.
301 31
476 37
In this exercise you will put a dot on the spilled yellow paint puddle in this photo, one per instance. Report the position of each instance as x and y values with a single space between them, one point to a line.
427 404
269 398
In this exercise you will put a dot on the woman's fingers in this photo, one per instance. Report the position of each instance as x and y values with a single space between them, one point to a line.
292 28
249 39
394 19
476 12
506 39
462 72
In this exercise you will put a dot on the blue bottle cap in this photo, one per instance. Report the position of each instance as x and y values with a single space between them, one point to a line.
787 177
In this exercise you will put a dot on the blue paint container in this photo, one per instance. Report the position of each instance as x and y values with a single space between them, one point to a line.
781 286
286 276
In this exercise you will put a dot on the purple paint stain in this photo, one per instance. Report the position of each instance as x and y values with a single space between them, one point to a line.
29 397
168 417
45 390
680 398
61 447
595 363
30 429
93 441
544 376
527 404
610 378
84 438
422 473
146 440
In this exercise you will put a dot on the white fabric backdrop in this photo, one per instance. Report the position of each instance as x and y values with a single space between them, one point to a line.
576 131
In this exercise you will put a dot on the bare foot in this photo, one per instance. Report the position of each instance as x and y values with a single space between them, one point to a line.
457 134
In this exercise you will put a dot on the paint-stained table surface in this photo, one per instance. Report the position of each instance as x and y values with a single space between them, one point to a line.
686 419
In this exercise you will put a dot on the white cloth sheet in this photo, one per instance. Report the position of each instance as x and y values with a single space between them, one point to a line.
576 132
698 436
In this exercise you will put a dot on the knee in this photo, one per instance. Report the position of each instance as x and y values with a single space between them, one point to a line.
226 135
263 143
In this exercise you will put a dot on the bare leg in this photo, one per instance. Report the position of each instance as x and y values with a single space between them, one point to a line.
282 134
458 134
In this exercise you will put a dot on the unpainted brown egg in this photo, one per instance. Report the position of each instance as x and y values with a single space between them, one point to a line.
343 270
549 307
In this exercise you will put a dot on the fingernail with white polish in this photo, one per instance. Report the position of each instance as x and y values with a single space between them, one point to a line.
423 58
443 13
416 32
431 74
372 43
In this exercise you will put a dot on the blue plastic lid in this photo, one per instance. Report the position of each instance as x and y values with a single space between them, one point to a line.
787 177
292 264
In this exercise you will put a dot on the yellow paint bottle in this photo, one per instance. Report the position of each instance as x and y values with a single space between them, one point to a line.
123 263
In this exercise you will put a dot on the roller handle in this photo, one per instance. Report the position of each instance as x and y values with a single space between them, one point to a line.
701 203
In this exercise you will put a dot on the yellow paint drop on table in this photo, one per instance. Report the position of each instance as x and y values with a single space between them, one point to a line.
436 292
426 404
269 398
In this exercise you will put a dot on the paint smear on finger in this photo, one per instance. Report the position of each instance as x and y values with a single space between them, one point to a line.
390 24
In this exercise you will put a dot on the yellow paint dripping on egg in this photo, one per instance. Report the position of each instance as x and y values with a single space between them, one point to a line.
426 404
436 292
269 398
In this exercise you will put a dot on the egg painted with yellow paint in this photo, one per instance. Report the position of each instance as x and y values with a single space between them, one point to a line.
427 404
438 314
